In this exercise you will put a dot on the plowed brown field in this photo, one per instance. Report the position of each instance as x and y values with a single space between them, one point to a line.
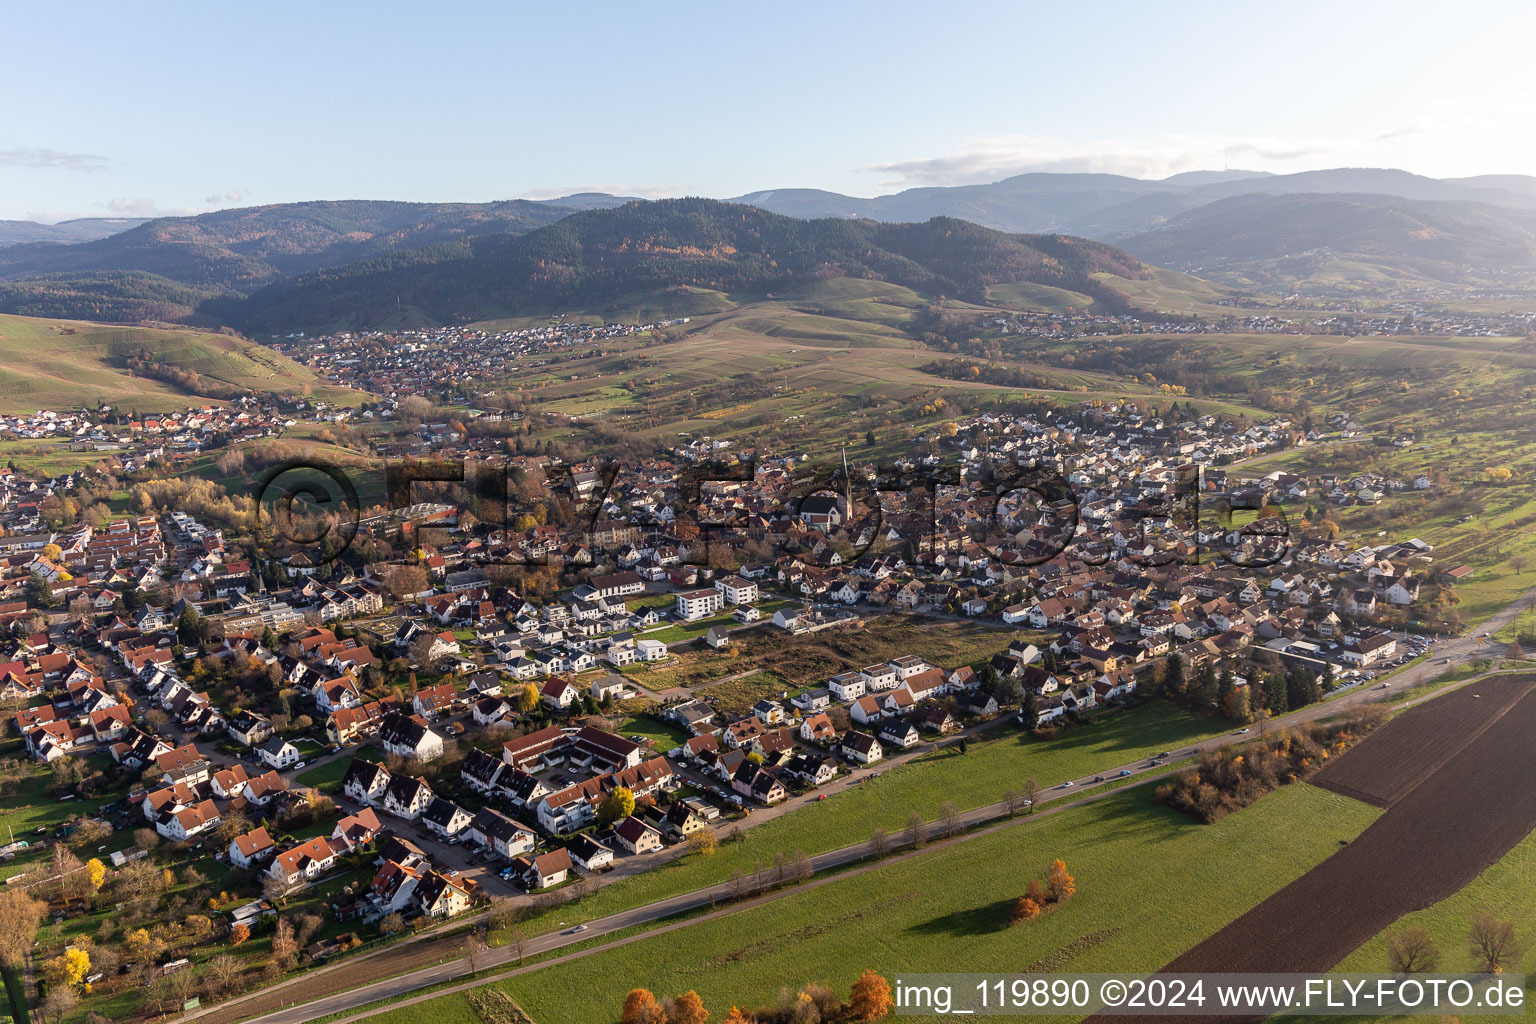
1458 778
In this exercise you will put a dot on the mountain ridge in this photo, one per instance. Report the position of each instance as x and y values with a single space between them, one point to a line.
597 256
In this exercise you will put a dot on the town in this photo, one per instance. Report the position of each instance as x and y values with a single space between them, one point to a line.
394 742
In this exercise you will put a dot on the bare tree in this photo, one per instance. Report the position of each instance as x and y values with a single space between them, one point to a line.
473 952
914 833
1412 951
20 915
307 925
949 814
1031 794
1013 802
1493 943
516 939
879 843
277 890
801 867
183 984
285 950
505 914
223 970
60 1001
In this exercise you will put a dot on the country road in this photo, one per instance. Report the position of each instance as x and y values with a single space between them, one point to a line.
1459 650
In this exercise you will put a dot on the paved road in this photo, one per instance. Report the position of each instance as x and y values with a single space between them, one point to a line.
1459 651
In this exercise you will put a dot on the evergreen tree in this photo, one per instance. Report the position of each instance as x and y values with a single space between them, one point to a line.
1203 690
1029 714
989 679
1276 696
1174 675
1225 686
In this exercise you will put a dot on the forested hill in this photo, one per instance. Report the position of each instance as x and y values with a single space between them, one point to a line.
241 250
599 256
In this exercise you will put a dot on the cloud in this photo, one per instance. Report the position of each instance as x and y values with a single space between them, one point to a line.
128 206
125 206
989 159
51 158
642 191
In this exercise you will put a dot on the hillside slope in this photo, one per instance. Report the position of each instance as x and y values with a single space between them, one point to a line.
598 255
1439 239
63 364
84 229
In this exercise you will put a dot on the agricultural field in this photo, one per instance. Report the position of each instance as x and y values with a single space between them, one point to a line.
1473 803
815 367
911 915
48 457
1507 890
63 364
811 658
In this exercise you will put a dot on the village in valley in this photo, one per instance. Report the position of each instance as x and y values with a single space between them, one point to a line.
457 710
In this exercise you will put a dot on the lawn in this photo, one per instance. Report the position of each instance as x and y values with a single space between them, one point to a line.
736 696
973 779
662 735
947 910
326 777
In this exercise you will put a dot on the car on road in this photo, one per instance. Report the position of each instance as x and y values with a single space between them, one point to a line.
1065 785
821 796
1163 754
1124 772
1243 731
578 928
1098 778
1383 686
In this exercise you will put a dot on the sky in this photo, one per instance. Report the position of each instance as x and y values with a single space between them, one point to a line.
143 110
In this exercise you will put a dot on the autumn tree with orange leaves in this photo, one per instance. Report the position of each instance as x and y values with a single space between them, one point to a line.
1063 885
688 1008
641 1007
1024 909
871 997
